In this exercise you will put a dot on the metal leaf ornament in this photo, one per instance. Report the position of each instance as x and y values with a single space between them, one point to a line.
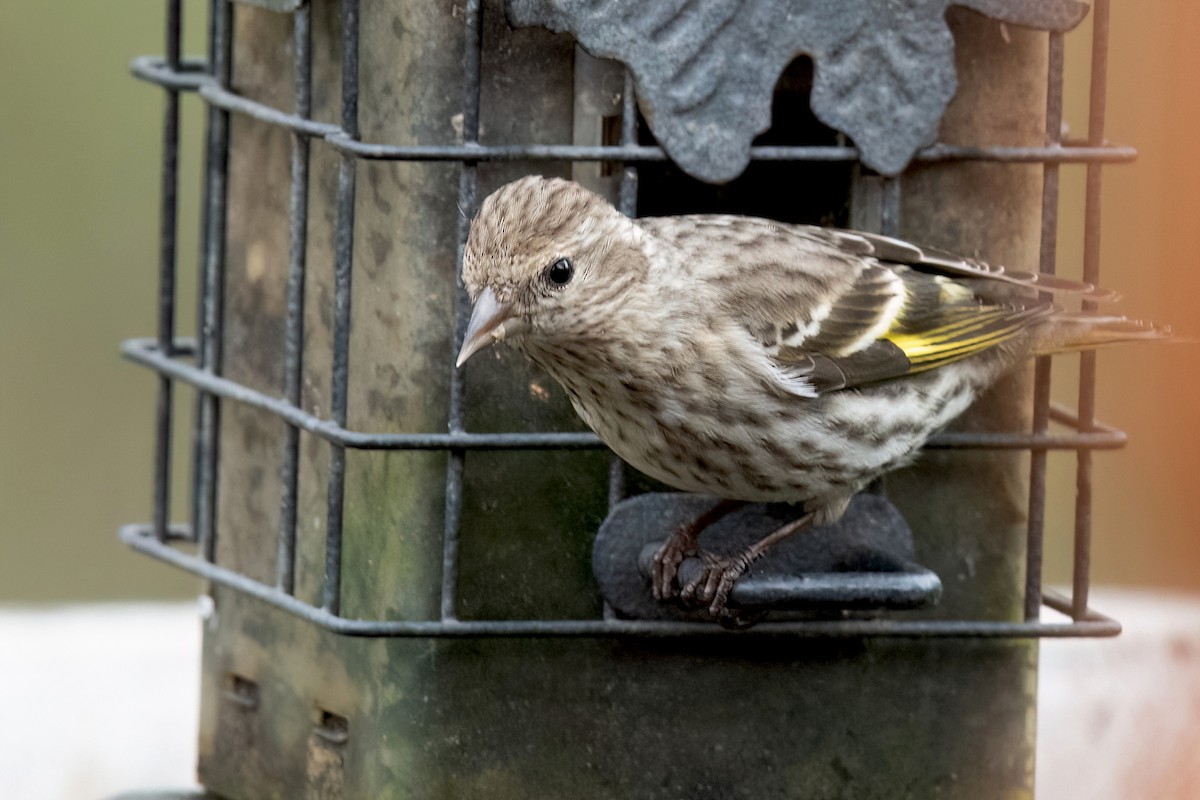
705 70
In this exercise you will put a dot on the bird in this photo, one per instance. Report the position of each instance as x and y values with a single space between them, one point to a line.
749 359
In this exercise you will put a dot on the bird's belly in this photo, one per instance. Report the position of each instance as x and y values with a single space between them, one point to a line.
776 449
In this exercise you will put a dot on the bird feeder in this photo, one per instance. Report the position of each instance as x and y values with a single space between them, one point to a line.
408 594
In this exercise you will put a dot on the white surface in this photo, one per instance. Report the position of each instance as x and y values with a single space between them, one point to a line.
1119 719
103 699
98 699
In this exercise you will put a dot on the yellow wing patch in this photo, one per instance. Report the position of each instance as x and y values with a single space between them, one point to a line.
976 328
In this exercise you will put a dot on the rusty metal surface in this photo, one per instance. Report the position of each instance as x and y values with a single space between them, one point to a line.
706 72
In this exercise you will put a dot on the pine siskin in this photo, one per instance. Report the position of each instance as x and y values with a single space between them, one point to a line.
749 359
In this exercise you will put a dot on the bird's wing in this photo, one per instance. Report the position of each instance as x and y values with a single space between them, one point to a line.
835 309
940 262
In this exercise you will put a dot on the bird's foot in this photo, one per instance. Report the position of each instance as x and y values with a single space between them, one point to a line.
712 586
679 546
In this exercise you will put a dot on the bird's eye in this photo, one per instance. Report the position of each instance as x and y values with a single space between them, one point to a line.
560 272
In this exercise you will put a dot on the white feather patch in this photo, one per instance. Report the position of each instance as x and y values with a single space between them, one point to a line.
814 323
805 330
793 380
895 303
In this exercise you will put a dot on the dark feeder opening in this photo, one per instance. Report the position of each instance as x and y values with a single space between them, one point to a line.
812 192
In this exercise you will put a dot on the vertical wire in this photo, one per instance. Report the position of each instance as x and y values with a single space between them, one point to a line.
1091 274
467 189
198 450
889 225
213 280
343 270
1035 535
285 568
889 213
627 204
627 197
168 222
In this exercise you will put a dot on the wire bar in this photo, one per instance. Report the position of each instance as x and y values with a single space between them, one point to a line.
153 70
293 344
144 351
889 210
141 538
627 198
343 272
1091 272
648 153
627 193
167 229
212 292
295 122
186 76
1047 262
467 189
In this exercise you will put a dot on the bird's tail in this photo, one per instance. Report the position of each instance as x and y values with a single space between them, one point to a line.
1072 332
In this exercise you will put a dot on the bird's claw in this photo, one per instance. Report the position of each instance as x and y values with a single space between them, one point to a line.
712 587
666 564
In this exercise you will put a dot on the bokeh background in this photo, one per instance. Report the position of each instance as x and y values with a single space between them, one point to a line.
79 149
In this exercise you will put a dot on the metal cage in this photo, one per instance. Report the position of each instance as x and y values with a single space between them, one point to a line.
197 362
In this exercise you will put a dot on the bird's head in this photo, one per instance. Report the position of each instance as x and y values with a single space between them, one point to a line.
548 264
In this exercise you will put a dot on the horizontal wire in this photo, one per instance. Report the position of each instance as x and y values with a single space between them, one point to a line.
141 538
190 78
147 353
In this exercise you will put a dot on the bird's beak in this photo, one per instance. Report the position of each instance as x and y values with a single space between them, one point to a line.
486 326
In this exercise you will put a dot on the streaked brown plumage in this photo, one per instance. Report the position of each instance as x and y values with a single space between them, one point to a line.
750 359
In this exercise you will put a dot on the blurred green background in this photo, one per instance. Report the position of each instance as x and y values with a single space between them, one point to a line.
80 142
79 152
